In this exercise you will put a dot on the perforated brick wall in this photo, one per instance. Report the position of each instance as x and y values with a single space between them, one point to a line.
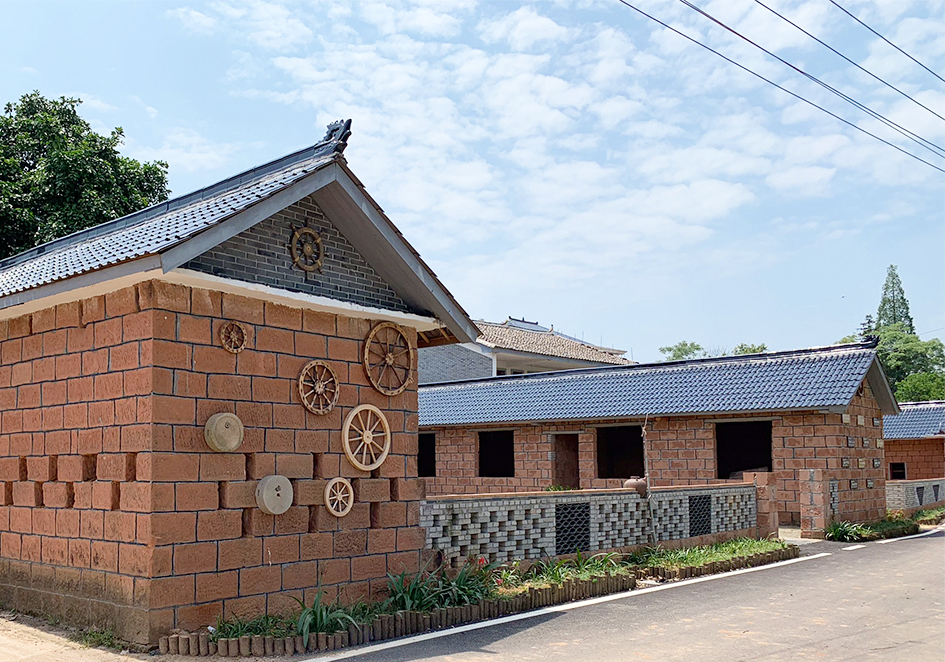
529 526
115 511
911 495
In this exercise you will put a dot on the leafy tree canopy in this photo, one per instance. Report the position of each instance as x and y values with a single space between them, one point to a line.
921 386
904 353
685 349
893 306
57 176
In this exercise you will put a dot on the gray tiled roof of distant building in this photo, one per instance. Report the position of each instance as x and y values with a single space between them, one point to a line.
539 340
164 225
803 379
916 420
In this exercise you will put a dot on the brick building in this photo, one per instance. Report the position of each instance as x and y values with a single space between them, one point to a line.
705 421
274 315
915 441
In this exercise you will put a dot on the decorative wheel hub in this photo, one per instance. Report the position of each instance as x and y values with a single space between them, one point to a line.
339 496
388 358
233 337
366 437
318 387
306 250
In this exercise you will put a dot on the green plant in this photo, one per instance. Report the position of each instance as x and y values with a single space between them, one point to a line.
94 638
550 572
321 617
895 516
508 576
472 584
596 564
419 592
560 488
930 516
846 532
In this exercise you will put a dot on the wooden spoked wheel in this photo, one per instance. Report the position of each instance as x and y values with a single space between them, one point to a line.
318 387
388 358
233 337
339 496
306 249
366 437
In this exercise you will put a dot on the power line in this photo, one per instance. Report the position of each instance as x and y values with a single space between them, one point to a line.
783 89
886 40
922 142
863 69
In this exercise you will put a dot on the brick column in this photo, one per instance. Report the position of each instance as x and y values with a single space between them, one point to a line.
766 502
815 502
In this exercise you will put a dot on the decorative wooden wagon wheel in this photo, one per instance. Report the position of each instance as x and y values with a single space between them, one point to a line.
307 250
339 496
366 437
233 337
388 358
318 387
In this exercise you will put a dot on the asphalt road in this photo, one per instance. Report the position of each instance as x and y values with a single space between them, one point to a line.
877 602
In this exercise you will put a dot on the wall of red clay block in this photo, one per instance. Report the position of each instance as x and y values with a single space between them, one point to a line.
75 419
170 523
681 451
924 458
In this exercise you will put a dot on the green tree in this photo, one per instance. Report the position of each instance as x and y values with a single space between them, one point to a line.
682 350
904 353
749 348
921 386
893 306
57 176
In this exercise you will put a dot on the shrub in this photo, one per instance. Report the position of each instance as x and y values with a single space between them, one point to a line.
419 592
322 617
846 532
472 584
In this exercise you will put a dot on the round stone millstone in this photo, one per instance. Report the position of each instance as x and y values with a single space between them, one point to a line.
274 495
224 432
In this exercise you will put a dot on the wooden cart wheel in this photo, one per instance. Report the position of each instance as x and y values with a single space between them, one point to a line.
307 250
233 337
388 358
318 387
339 496
366 437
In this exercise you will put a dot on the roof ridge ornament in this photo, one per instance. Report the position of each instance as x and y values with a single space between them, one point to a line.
338 133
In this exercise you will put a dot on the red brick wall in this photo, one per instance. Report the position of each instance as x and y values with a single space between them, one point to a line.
924 458
681 451
115 509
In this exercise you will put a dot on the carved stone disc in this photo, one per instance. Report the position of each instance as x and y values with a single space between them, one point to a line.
223 432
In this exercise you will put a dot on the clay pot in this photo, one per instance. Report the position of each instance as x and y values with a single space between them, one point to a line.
638 484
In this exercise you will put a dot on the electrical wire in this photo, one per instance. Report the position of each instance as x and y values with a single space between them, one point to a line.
783 89
861 68
886 40
922 142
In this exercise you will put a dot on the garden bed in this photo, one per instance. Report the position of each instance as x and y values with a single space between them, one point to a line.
487 592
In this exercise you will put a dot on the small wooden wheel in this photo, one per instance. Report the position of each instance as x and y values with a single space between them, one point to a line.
366 437
388 358
233 337
339 496
307 250
318 387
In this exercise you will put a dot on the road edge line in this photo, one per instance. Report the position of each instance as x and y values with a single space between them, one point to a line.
937 529
427 636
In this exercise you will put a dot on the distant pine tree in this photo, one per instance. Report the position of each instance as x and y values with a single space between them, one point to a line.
894 307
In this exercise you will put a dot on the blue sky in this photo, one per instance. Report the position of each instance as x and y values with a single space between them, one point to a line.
572 163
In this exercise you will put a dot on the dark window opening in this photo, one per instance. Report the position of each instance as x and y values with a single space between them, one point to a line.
566 467
426 455
741 447
620 452
497 454
897 471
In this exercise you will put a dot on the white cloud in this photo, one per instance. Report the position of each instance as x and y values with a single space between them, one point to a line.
194 20
186 150
802 180
522 29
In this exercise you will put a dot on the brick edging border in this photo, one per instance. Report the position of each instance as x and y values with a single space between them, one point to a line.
404 623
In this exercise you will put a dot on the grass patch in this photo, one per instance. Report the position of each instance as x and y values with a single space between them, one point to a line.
656 557
930 516
95 638
267 625
893 526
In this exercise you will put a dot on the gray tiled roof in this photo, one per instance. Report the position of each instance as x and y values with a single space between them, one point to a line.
162 226
916 420
539 340
802 379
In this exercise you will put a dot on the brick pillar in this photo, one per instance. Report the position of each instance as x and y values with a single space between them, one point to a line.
766 502
815 502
